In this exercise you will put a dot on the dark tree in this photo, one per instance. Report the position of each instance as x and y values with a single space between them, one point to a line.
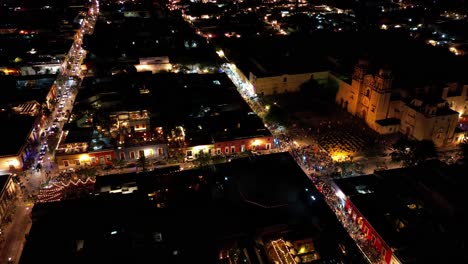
203 160
424 149
411 152
276 115
142 162
464 149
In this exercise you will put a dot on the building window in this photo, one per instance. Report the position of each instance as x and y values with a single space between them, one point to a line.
189 153
77 162
268 146
210 151
233 149
65 163
108 157
141 153
132 154
226 150
160 151
122 155
93 160
218 151
285 79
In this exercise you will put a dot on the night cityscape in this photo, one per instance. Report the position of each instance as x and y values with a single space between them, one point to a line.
234 132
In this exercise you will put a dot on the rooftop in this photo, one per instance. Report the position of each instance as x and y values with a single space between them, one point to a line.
288 63
388 121
208 106
4 180
15 133
418 211
19 89
77 134
229 203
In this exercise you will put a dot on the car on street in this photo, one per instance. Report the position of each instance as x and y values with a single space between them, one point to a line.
130 165
160 162
189 159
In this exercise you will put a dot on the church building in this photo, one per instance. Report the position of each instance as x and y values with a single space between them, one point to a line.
422 116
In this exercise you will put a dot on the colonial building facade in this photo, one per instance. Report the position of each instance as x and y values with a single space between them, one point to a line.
370 97
8 190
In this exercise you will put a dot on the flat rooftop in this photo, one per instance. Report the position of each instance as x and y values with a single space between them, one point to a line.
3 180
287 63
236 202
419 211
19 89
208 106
15 132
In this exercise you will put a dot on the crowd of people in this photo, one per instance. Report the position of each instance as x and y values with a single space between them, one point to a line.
350 137
316 161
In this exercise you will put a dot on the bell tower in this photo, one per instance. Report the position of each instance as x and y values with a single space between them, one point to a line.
383 81
360 70
381 93
357 84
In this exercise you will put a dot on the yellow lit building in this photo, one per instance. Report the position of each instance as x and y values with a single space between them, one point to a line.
284 74
193 151
369 96
285 83
457 97
10 162
7 193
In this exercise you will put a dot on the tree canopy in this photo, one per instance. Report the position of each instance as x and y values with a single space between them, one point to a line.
464 149
411 152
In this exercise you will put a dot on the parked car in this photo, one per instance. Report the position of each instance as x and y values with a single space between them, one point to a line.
160 162
130 165
189 159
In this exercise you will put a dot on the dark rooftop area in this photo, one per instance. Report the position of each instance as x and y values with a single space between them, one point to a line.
15 133
413 63
77 134
20 89
234 201
419 211
3 180
207 105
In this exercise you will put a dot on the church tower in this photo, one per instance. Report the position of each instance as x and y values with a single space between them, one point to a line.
357 83
379 101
